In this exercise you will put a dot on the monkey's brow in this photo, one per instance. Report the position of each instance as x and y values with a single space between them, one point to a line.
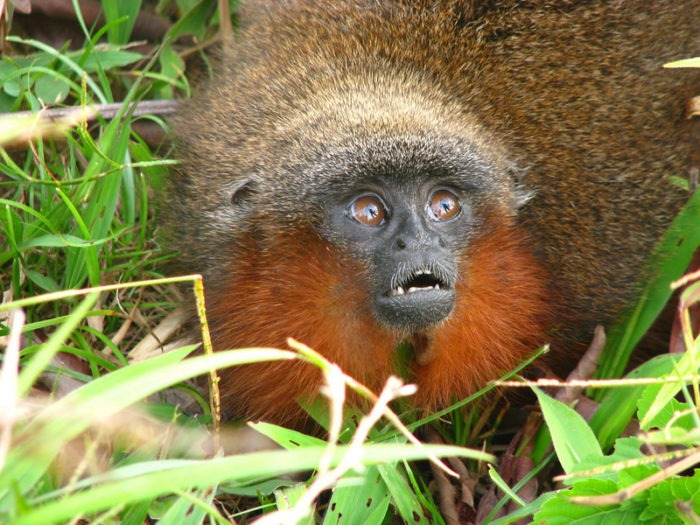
366 163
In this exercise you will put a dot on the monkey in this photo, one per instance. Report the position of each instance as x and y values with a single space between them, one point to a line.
475 179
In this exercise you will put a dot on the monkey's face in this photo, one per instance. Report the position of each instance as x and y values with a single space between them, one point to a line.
397 190
409 236
406 208
395 181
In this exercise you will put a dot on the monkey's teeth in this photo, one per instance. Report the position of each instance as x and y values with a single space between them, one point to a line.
414 289
417 283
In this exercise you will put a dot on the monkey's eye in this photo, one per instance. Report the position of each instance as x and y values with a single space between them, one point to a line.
368 210
443 205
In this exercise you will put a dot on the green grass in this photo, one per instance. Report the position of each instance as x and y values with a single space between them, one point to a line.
78 210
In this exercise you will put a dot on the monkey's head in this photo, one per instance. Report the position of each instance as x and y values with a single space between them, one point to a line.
352 208
404 206
396 186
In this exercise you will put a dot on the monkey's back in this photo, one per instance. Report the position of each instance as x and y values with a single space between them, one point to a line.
569 97
599 127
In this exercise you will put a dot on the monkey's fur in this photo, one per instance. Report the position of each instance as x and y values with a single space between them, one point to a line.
559 111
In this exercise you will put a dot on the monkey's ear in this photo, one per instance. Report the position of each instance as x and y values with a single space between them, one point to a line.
240 191
521 194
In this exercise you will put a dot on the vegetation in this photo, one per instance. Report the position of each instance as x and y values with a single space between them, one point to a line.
97 424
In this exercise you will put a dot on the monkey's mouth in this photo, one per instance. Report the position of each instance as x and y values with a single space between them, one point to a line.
417 298
420 281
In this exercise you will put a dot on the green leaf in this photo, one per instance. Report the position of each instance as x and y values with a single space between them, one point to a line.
620 404
359 499
42 281
674 436
572 437
190 510
286 498
562 511
524 512
285 437
254 490
58 241
149 480
172 67
192 22
634 474
46 435
51 89
106 58
663 497
667 414
12 87
7 102
607 467
120 18
687 365
669 260
404 498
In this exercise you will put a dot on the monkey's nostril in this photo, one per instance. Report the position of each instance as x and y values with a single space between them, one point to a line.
400 244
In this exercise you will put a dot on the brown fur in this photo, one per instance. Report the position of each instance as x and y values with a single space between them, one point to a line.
567 99
499 319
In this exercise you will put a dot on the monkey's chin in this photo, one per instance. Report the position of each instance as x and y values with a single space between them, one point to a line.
414 312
